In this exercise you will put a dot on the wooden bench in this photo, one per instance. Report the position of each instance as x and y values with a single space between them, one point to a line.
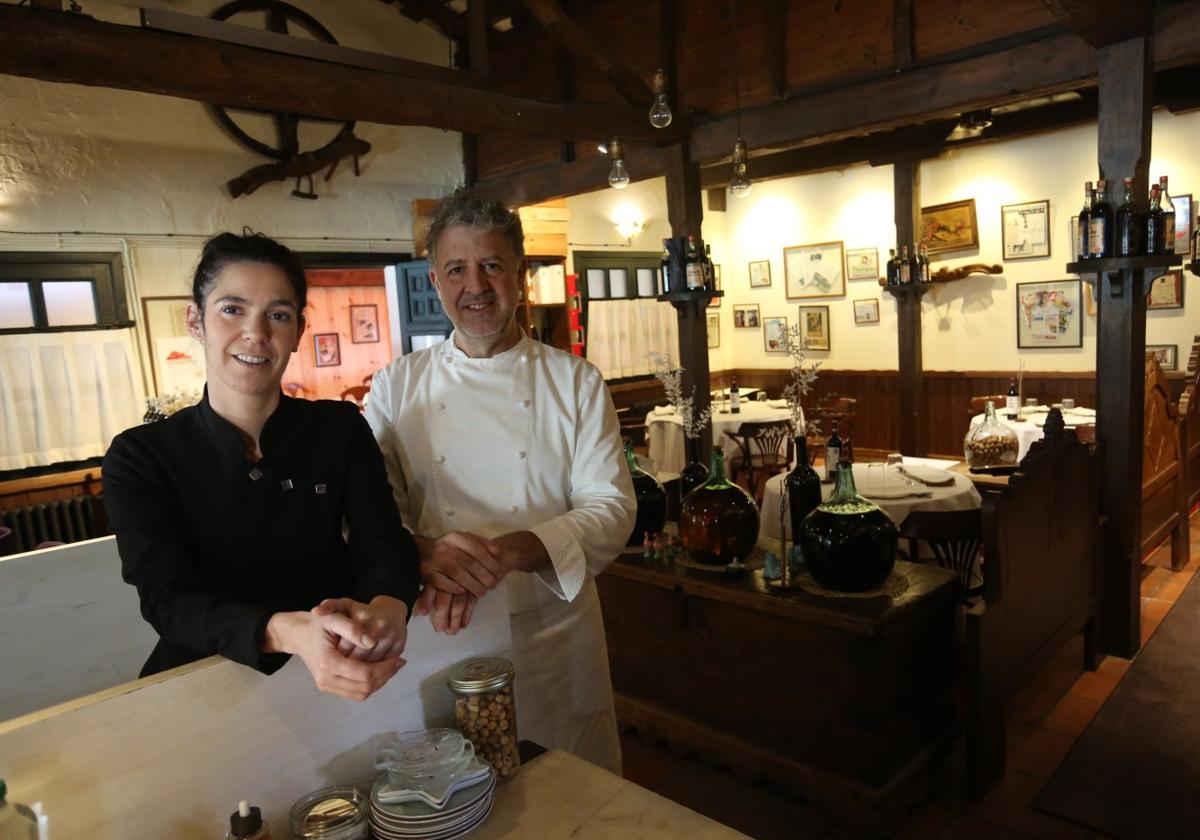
1189 421
1164 480
1040 586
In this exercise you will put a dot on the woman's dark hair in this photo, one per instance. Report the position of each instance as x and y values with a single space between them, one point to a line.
227 248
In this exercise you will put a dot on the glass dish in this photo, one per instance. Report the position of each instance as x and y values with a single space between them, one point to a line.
425 759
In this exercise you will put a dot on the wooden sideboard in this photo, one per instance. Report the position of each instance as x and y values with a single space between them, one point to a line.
845 700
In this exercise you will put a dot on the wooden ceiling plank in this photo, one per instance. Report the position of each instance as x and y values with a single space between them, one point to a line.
903 33
440 16
776 46
560 26
477 42
1103 22
78 50
566 179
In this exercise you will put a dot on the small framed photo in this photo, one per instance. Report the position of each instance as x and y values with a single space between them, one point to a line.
364 324
1050 314
814 327
814 271
713 328
1166 292
862 264
715 302
866 311
1075 242
775 334
949 227
1167 354
1026 230
328 350
745 316
1184 223
760 274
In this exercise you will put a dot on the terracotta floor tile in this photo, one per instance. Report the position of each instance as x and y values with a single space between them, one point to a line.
1171 590
972 828
1041 753
1115 665
1072 715
1097 685
644 764
1058 674
1015 733
1010 804
1154 579
1031 704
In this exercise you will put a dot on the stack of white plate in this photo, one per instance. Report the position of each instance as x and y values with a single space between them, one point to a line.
463 810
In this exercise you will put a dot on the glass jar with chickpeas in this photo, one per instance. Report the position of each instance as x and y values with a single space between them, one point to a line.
485 712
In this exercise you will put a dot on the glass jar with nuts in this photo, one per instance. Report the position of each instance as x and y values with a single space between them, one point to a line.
484 710
990 443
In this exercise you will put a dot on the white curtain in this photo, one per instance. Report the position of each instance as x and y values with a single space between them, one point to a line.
64 396
623 333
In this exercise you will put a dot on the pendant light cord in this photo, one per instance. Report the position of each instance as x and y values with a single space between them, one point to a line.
737 80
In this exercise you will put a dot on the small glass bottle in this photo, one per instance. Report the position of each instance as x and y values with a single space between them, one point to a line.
893 272
1129 224
1081 229
735 401
17 822
1168 207
905 266
833 453
1100 224
1156 233
246 823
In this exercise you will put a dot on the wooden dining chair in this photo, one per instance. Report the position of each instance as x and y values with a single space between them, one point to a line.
955 538
979 404
357 394
764 449
295 389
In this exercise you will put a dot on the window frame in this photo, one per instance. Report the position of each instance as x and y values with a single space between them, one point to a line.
106 271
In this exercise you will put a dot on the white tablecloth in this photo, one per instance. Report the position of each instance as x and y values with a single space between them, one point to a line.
1031 426
961 495
664 433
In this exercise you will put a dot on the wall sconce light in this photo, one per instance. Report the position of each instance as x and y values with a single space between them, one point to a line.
629 228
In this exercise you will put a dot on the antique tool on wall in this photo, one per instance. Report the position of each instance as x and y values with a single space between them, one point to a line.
302 165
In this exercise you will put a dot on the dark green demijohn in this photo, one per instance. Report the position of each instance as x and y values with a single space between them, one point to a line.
849 543
719 521
651 500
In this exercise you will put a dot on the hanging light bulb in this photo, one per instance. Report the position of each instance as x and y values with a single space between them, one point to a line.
660 111
739 183
618 177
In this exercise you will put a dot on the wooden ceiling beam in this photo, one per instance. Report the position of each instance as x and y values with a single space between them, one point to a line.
78 50
575 39
439 15
578 176
1103 22
776 46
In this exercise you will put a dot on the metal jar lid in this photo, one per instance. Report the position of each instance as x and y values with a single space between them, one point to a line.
333 812
481 675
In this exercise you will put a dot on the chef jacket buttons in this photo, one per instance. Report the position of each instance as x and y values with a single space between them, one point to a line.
441 406
449 511
512 509
256 474
526 403
286 484
441 459
521 454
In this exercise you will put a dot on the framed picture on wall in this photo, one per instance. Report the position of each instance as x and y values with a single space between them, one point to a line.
760 274
715 303
714 329
1075 242
1166 292
1026 230
165 322
866 311
364 324
862 264
327 349
814 327
949 227
1184 223
745 316
1167 354
774 335
1050 314
1089 299
814 271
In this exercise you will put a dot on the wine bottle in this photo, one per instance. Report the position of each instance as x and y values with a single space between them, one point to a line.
735 406
694 268
926 273
709 281
1156 238
1081 229
914 264
1129 226
1100 225
668 283
833 453
893 272
1168 208
905 266
1012 402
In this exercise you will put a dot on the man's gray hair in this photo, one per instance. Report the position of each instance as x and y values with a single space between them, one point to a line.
473 210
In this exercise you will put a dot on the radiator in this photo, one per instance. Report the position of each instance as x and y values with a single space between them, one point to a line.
63 520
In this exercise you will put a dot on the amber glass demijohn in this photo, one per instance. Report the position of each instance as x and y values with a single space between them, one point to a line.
719 521
849 543
651 500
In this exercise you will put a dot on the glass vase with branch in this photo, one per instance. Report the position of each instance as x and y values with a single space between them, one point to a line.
694 422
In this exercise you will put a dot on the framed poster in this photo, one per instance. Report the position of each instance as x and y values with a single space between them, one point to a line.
715 302
327 349
176 359
745 316
714 328
1075 242
760 274
1167 354
813 271
1050 314
1166 292
364 324
862 264
814 327
1026 230
949 227
774 335
866 311
1184 223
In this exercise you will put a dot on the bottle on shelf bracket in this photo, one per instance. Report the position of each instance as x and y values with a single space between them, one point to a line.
893 268
1129 224
1081 229
926 275
735 405
1156 233
694 266
1012 402
666 281
1100 225
833 452
905 266
1168 208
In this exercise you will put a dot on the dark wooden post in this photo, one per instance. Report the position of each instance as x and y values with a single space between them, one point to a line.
907 197
685 212
1124 151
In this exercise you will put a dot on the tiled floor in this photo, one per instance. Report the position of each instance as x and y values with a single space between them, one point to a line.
1045 717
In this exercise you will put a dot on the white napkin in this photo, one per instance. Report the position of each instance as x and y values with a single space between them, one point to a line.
1082 412
928 475
663 409
777 403
898 493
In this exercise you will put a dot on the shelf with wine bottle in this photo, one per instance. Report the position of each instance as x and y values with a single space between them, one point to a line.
1111 264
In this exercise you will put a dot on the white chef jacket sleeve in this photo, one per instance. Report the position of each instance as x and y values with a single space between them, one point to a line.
588 537
381 417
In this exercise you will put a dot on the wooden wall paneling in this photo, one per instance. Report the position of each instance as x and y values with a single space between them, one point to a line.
944 26
329 312
828 41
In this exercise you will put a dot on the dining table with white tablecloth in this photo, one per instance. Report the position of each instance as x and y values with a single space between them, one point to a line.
1031 424
664 430
898 490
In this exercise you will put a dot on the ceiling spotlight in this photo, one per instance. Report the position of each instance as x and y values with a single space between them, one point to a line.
971 124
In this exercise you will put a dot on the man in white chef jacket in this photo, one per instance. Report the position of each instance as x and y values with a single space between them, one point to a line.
506 460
